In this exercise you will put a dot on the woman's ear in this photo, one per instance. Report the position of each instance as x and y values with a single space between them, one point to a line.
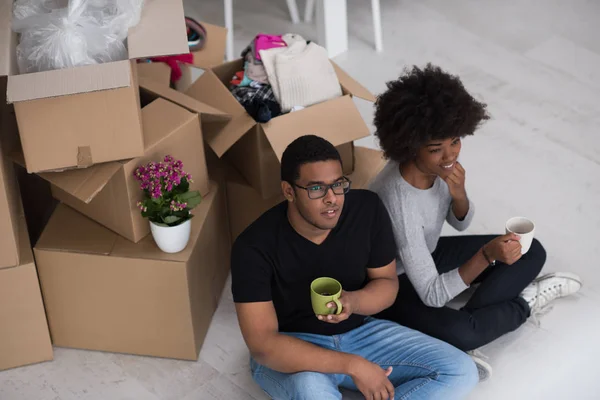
288 191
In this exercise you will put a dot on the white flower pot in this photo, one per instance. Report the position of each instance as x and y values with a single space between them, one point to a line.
171 239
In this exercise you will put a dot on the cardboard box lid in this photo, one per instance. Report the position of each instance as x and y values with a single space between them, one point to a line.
221 140
351 85
157 71
208 113
85 183
161 31
336 120
213 52
70 231
160 119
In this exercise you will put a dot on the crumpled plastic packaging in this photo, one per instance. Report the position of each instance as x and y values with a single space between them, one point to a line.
84 32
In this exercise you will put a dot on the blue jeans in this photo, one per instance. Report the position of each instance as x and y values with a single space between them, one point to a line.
423 367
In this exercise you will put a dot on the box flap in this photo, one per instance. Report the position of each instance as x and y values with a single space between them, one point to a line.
71 231
86 183
336 120
157 71
25 252
367 164
160 119
209 89
62 82
7 40
213 52
351 86
208 113
160 32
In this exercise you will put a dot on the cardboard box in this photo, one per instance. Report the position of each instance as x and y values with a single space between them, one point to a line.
10 200
213 52
24 336
245 204
77 117
210 56
108 193
255 149
155 71
103 292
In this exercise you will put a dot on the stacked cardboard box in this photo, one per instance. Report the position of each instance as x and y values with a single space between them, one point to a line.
83 131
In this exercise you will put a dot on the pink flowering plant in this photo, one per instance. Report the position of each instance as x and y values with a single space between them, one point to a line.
167 197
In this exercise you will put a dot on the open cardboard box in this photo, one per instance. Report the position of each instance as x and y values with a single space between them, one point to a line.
77 117
255 149
103 292
24 335
108 193
211 55
245 204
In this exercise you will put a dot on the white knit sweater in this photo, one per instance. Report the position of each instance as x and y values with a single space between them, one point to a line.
305 76
268 59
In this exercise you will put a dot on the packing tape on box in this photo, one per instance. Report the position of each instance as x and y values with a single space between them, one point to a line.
84 157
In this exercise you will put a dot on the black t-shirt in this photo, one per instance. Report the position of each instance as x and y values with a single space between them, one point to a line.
272 262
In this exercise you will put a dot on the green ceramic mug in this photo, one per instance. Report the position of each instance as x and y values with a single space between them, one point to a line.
323 291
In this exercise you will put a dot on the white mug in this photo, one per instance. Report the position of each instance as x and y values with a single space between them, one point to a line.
523 227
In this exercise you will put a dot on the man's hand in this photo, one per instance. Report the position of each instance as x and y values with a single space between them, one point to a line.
506 248
456 182
371 380
349 307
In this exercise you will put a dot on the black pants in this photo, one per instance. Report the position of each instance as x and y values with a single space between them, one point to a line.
494 309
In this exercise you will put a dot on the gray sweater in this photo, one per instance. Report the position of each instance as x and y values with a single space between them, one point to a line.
417 217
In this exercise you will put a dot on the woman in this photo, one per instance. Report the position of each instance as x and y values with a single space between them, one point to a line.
420 122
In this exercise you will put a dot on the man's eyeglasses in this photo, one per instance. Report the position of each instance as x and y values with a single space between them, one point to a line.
319 191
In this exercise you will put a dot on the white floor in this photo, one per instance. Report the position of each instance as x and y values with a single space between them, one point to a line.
537 64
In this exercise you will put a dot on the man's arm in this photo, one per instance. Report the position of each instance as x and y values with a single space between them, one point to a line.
283 353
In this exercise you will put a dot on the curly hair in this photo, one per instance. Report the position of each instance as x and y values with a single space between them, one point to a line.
423 105
306 149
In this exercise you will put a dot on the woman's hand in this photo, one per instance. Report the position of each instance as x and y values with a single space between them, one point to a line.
456 182
506 249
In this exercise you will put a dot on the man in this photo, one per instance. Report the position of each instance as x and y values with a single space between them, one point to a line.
325 230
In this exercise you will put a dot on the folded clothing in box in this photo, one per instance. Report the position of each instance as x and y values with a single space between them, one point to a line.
103 292
282 73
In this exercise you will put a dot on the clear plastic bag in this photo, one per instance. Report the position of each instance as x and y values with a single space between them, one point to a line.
83 33
26 8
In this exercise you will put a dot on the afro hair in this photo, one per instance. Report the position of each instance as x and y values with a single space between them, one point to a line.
423 105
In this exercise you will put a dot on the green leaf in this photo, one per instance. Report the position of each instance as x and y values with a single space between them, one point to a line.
191 198
159 223
171 219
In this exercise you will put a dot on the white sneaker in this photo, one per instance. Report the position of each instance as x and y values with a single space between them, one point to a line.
483 368
547 288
